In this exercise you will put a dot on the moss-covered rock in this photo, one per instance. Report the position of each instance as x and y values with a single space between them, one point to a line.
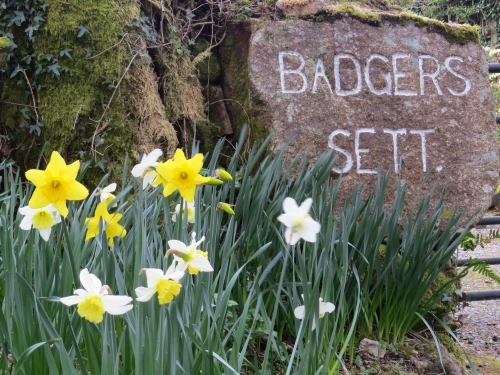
209 68
99 99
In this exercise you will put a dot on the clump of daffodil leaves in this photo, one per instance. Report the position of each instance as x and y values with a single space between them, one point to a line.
57 184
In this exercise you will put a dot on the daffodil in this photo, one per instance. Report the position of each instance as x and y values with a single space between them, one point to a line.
42 219
180 174
189 257
146 168
106 194
179 211
298 222
109 221
166 285
95 299
56 184
324 307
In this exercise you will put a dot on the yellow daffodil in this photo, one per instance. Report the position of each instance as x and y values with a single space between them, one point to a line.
40 218
167 285
298 222
180 212
106 194
324 307
56 184
180 174
109 221
95 299
188 257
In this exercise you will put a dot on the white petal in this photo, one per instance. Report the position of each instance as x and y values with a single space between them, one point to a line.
71 300
174 218
81 292
287 220
300 312
138 170
154 155
289 205
144 294
153 275
27 210
177 245
201 263
326 307
57 218
173 274
307 235
177 208
119 310
295 238
146 181
45 233
110 188
181 266
108 302
26 223
305 206
90 282
312 225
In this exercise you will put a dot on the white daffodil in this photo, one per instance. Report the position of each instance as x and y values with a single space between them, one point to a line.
40 218
106 195
145 169
180 212
324 307
167 285
189 257
95 299
298 222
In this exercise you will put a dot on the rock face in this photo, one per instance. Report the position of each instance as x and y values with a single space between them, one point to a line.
394 95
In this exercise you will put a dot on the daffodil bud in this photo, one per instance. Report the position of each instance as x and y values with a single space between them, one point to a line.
226 208
214 181
225 175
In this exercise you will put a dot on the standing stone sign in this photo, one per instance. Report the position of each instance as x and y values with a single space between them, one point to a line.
391 96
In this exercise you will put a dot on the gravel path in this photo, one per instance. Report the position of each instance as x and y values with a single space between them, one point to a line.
480 331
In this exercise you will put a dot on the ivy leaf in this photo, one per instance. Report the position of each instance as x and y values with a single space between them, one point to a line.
17 19
66 52
82 31
88 53
38 18
54 68
37 128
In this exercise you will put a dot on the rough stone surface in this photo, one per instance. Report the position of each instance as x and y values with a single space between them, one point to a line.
372 347
217 112
366 90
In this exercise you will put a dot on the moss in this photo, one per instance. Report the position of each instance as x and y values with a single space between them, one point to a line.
4 42
447 214
351 9
460 34
452 347
209 68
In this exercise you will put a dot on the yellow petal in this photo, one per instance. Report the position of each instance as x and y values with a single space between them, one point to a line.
77 191
199 179
56 164
168 189
188 193
38 200
71 171
61 207
179 156
36 176
102 211
196 162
